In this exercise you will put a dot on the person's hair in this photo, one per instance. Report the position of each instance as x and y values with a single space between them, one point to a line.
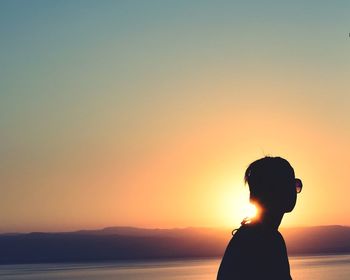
267 178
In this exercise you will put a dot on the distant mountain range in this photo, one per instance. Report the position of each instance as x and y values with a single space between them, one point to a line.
128 243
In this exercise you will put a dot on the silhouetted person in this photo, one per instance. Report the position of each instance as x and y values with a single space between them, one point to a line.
257 250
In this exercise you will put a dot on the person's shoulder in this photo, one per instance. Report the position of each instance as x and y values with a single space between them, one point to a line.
255 237
241 246
253 233
245 237
244 233
249 230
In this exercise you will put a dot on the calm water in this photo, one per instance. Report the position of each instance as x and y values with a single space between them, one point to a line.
320 268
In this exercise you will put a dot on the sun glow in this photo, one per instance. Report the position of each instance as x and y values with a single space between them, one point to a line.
234 205
250 210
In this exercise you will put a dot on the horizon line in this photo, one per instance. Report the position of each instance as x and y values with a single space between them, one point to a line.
155 228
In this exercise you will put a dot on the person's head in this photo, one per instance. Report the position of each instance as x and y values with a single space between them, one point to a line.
272 184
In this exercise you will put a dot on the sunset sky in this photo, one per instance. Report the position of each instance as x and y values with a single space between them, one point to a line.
147 113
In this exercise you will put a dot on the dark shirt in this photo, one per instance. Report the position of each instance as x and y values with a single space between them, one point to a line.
255 252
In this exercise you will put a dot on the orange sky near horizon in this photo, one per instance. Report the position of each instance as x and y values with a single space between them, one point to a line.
205 170
196 178
148 114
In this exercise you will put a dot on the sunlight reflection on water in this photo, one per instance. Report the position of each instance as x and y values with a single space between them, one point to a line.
335 267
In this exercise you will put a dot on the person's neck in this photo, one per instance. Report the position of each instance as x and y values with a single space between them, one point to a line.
269 219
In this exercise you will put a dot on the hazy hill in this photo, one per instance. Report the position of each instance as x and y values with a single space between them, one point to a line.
125 243
317 240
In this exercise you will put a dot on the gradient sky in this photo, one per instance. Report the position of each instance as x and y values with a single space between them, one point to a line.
146 113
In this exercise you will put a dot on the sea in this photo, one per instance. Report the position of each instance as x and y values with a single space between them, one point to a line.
330 267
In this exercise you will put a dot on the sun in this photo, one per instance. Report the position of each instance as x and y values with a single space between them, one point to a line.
250 210
234 206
